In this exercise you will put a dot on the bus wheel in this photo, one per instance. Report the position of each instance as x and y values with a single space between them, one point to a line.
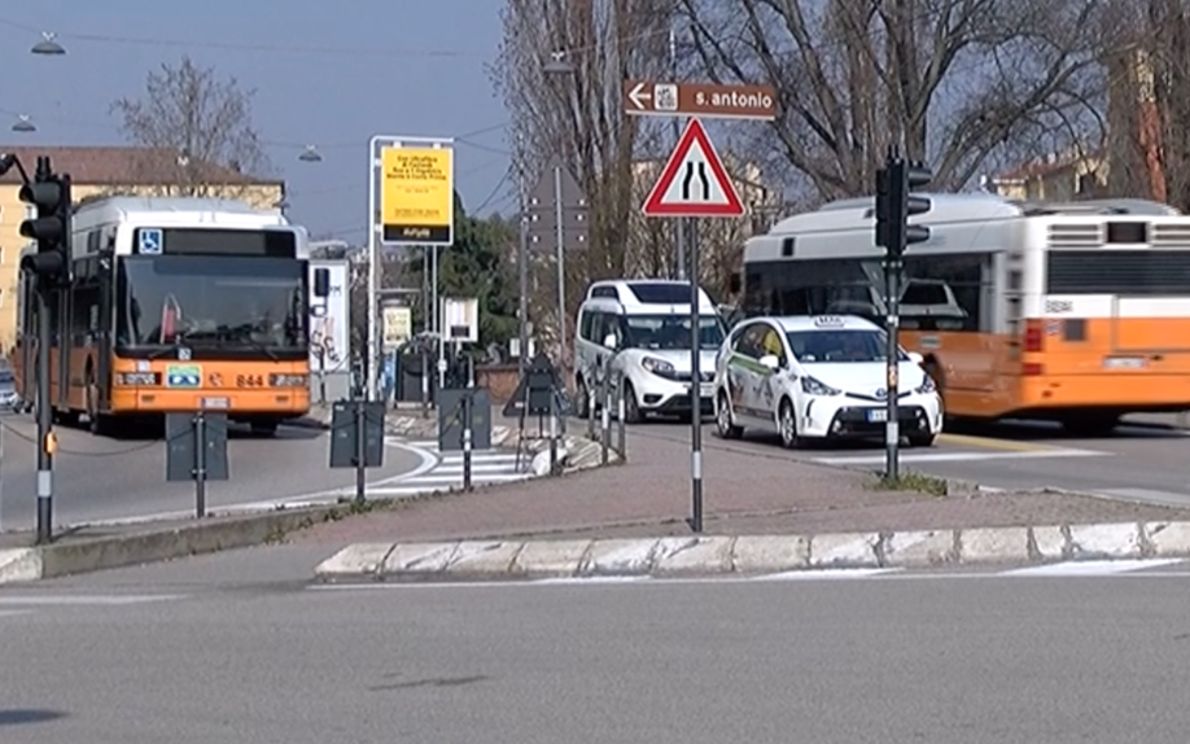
96 422
66 418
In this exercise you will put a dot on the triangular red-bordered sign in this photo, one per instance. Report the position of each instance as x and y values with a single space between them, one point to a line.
698 194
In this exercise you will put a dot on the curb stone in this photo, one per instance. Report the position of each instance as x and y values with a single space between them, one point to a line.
759 554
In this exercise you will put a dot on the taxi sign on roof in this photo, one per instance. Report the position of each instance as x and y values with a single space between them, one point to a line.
829 320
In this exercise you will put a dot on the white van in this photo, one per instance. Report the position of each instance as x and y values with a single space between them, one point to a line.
643 327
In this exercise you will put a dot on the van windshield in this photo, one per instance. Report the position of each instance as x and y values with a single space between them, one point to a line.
671 332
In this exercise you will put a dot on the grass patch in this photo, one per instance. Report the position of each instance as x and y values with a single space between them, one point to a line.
910 481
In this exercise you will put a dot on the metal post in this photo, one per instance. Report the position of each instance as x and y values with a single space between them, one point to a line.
695 387
2 476
553 433
467 413
441 345
892 435
361 450
200 465
621 410
425 383
523 271
677 130
606 435
322 373
591 400
373 220
561 267
45 460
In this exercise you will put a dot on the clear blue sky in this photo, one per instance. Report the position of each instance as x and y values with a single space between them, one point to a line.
421 69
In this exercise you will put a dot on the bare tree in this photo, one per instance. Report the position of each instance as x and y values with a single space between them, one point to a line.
951 82
578 114
198 129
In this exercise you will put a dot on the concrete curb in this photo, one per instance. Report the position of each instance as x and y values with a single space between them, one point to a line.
751 554
73 556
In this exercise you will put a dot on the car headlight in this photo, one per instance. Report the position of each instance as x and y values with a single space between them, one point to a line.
287 380
812 386
659 367
927 385
136 378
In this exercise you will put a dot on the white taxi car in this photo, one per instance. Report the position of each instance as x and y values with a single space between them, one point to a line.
819 378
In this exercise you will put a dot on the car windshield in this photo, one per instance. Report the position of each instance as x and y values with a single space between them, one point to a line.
671 331
839 346
241 302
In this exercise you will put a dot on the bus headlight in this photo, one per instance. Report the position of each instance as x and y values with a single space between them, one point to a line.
283 380
136 378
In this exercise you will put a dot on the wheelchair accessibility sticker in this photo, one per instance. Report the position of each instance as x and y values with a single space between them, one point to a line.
183 376
150 242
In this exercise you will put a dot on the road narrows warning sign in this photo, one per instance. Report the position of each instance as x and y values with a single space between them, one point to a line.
694 182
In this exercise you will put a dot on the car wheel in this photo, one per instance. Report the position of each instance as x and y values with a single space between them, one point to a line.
923 440
723 420
787 424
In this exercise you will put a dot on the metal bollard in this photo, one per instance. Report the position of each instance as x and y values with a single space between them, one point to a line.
607 427
591 413
623 425
467 422
553 434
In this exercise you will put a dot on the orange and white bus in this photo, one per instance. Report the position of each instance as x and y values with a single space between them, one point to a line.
1075 312
176 304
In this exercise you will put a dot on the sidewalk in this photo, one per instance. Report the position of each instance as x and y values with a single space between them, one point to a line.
744 493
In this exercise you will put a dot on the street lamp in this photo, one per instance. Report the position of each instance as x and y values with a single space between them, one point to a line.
310 155
23 124
47 45
558 66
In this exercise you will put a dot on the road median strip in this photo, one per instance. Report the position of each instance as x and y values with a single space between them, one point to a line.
510 560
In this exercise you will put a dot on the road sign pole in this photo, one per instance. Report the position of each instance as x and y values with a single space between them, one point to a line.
373 223
200 465
695 387
523 279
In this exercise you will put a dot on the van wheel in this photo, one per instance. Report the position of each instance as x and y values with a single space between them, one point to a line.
631 407
582 407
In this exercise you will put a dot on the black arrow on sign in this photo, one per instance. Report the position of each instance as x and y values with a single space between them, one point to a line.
702 176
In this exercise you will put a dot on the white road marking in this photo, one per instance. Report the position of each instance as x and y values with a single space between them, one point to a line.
14 613
1146 494
958 456
42 600
1092 568
820 574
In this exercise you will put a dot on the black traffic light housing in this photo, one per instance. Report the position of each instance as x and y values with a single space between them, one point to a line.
895 205
49 194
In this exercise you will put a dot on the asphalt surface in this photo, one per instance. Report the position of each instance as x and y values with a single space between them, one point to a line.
102 478
1146 459
237 647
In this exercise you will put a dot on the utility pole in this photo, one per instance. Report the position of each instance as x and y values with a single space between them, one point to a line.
523 271
894 206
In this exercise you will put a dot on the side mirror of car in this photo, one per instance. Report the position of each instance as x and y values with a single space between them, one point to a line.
916 357
322 282
770 361
610 340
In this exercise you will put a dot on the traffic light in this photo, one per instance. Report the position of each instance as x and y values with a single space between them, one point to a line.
49 193
895 205
916 176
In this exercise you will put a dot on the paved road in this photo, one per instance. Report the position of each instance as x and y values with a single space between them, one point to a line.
237 648
1146 459
100 478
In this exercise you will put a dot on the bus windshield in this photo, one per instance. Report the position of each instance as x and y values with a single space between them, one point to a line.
236 303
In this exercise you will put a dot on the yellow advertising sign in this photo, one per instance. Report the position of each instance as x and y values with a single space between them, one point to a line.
417 195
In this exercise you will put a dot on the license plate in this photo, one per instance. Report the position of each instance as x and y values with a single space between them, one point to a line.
877 414
1124 363
215 403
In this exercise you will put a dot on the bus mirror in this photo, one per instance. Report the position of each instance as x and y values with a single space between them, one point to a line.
322 282
733 282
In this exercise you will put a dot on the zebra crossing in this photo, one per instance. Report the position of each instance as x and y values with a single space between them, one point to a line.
445 471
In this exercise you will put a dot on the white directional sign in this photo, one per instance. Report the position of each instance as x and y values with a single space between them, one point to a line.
694 182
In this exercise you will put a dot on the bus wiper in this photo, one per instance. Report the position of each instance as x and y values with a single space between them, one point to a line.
244 335
179 339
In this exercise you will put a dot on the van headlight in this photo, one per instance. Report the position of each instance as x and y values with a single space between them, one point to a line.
659 367
927 386
811 386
